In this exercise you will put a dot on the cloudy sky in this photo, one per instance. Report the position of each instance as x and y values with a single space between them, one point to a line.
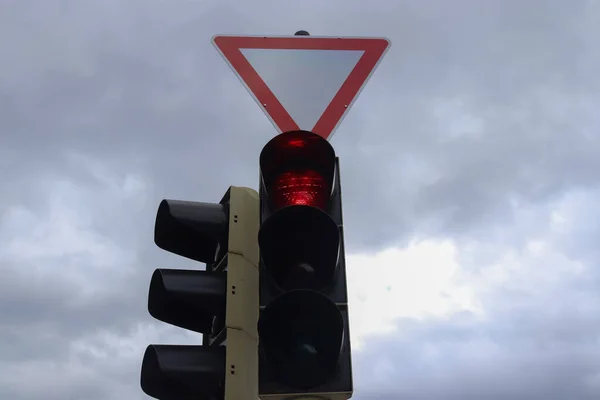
471 176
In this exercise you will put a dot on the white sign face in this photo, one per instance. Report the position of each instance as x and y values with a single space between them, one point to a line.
303 82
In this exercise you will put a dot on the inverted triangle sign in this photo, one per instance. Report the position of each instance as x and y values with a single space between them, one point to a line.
303 82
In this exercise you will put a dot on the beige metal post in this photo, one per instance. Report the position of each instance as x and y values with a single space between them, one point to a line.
241 371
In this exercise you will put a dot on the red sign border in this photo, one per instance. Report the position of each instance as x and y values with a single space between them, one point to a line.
374 49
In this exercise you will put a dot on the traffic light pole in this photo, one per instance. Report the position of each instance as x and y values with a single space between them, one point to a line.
241 375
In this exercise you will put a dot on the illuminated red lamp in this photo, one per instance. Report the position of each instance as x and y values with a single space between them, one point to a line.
298 239
298 169
303 187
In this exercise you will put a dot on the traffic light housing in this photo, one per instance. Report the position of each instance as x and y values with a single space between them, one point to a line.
220 302
303 328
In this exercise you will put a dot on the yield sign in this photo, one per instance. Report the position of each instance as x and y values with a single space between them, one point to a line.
303 82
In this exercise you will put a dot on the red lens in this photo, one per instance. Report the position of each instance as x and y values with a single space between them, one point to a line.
300 187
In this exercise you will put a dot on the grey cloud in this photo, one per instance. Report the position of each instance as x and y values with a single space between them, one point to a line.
537 339
536 98
445 360
118 106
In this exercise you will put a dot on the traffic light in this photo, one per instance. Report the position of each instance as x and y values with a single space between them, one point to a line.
220 302
303 329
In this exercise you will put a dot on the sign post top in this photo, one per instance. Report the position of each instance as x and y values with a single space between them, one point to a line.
303 82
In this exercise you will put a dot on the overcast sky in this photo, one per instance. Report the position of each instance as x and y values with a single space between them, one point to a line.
471 178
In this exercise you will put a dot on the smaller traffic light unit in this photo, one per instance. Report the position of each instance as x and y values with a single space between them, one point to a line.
220 302
303 327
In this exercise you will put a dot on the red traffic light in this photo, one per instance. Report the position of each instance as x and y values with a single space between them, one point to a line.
299 240
304 346
304 187
298 169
